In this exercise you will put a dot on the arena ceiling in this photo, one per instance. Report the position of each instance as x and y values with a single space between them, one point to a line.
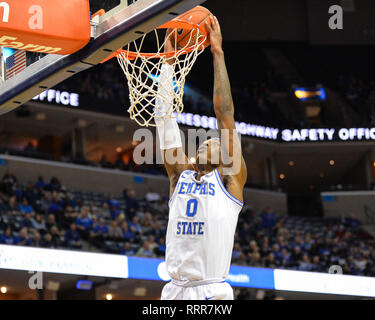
287 20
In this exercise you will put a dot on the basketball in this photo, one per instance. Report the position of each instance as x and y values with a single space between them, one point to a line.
198 15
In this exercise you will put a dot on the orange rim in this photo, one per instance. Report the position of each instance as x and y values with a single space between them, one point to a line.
173 24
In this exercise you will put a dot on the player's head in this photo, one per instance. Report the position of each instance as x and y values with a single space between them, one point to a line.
209 154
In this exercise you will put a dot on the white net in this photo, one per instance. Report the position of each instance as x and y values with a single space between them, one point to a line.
143 71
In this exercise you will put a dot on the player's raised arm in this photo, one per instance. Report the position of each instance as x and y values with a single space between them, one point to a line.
175 160
224 109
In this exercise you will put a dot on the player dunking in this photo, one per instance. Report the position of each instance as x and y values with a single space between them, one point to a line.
205 199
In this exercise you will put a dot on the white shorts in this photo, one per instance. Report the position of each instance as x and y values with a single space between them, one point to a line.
212 291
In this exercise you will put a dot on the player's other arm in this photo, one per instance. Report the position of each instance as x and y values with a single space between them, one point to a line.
175 168
174 157
224 111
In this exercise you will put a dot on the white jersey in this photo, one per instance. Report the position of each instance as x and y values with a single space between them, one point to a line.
200 235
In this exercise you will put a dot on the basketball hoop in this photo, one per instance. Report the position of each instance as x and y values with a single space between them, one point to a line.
142 70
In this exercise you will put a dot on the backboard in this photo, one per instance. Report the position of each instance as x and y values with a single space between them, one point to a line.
120 25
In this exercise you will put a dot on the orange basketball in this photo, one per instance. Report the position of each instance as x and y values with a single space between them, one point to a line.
198 15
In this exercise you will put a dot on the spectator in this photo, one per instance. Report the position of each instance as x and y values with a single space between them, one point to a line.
316 247
270 261
253 247
24 239
147 226
265 251
8 181
70 216
27 222
112 202
45 203
114 212
47 241
10 178
115 232
316 266
326 248
277 253
127 250
297 242
255 260
158 231
99 233
25 207
84 223
308 243
12 208
360 262
268 219
161 247
242 260
73 238
285 259
55 208
353 222
135 227
305 264
36 239
105 211
51 221
29 148
236 251
94 214
30 194
54 185
40 184
131 202
296 256
127 233
67 201
8 237
55 234
152 244
245 234
282 243
145 250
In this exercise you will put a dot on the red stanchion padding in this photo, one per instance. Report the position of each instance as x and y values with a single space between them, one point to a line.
49 26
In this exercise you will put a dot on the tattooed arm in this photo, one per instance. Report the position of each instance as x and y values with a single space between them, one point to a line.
234 171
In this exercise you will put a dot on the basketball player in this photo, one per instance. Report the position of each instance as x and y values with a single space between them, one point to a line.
206 198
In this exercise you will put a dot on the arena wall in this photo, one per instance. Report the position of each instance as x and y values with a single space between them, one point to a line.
361 204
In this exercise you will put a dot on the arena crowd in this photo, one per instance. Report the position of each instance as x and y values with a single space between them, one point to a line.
45 214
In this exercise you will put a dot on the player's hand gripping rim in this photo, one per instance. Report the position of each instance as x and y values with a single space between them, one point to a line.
216 38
